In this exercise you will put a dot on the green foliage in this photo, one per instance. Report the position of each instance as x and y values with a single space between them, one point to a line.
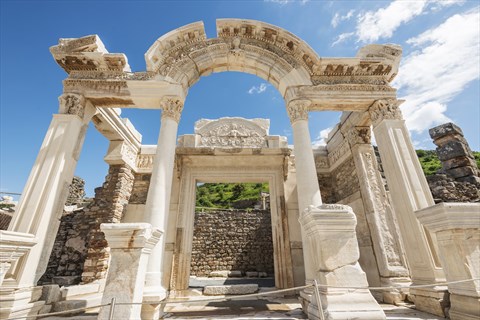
429 161
223 195
476 154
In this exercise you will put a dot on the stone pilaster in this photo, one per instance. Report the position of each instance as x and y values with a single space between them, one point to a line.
308 189
457 227
391 264
331 241
158 202
108 207
130 246
409 192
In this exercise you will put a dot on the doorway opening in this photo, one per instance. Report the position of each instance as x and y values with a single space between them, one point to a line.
232 236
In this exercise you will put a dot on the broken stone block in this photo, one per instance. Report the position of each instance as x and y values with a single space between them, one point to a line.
462 172
50 293
453 149
444 129
235 289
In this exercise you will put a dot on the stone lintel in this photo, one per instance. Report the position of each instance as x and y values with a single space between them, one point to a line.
131 235
449 215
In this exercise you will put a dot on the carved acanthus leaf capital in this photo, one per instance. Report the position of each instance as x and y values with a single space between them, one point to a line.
359 135
172 108
385 110
71 103
298 110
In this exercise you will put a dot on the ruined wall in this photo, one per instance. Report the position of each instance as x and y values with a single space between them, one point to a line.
345 180
232 240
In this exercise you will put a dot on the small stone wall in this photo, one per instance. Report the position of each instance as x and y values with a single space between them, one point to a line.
140 188
345 180
232 240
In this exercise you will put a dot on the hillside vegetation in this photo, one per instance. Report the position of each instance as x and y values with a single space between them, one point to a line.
431 164
229 195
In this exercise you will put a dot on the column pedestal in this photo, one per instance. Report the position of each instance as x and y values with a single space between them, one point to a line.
130 245
332 243
457 228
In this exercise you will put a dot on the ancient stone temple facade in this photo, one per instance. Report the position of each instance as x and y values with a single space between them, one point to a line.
332 219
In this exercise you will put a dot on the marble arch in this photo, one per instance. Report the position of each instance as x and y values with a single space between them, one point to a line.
99 83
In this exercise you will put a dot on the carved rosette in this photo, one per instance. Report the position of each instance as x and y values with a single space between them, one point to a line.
298 110
359 135
172 108
72 104
385 110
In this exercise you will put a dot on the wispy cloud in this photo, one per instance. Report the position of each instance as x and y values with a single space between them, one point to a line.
445 62
321 139
379 24
337 18
283 2
260 89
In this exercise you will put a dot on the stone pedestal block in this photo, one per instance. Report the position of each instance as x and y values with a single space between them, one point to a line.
457 227
13 245
333 248
130 245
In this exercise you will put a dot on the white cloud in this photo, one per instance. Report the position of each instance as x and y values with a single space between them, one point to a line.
373 25
260 89
321 139
337 18
283 2
342 37
445 62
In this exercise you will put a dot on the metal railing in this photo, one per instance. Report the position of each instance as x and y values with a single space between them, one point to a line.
316 286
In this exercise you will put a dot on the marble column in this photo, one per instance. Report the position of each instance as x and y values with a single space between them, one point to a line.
308 189
409 192
46 191
130 245
158 200
457 228
391 263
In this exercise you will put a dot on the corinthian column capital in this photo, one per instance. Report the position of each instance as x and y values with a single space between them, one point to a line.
358 135
385 110
71 103
171 108
298 110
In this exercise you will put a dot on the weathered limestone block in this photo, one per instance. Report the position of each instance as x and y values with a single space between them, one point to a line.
130 244
457 227
234 289
332 244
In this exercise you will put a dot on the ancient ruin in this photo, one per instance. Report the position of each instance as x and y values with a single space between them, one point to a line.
333 220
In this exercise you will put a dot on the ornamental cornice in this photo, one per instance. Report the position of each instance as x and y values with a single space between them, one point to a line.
171 108
298 110
388 109
71 103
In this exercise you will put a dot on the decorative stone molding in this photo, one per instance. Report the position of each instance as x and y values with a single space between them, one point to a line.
71 103
13 245
298 110
359 135
121 152
172 108
385 110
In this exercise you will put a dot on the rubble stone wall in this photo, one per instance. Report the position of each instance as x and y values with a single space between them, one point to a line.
345 180
108 206
232 240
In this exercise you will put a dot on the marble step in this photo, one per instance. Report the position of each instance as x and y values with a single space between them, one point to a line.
233 289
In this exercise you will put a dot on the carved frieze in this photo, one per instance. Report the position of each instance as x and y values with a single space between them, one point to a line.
172 108
359 135
298 110
145 161
339 151
385 109
72 104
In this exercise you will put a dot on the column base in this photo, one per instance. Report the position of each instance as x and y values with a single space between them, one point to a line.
464 307
20 302
342 306
394 296
153 295
432 300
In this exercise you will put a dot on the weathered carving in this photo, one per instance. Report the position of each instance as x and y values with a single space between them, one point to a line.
298 110
385 109
359 135
321 162
172 108
72 104
232 133
145 161
339 151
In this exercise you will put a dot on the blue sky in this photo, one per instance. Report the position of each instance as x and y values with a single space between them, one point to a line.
439 74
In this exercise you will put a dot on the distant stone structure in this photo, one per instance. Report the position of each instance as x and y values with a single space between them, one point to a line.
459 179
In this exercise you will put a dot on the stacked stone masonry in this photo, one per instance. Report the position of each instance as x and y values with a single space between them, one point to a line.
232 240
108 206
